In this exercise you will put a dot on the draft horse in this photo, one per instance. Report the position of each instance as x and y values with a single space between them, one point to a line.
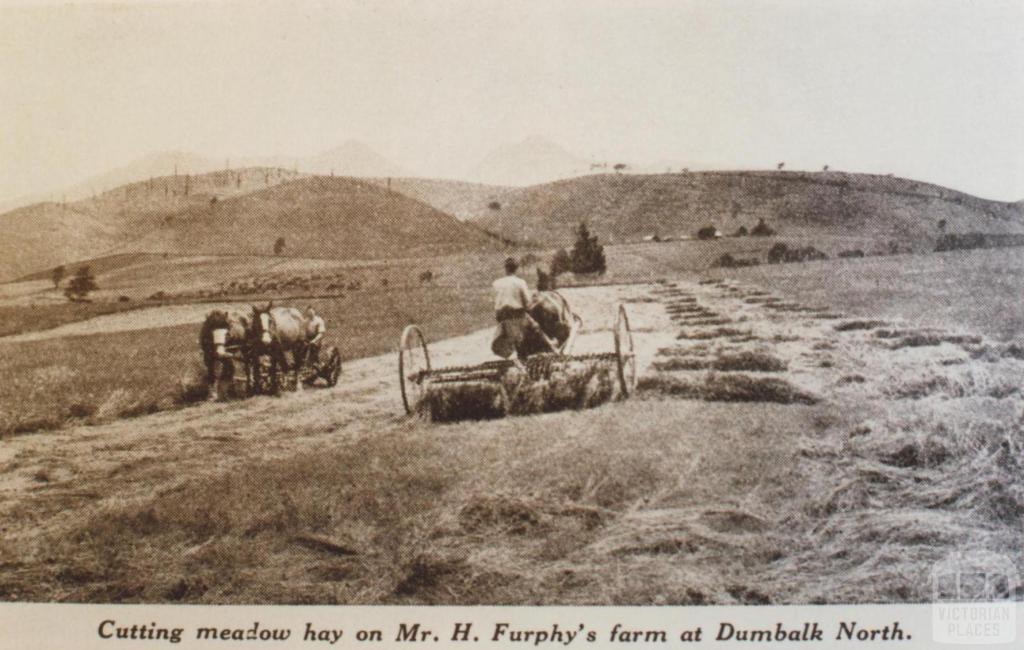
281 331
227 338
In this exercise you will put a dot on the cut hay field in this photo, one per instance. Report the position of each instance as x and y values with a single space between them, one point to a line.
777 452
978 290
104 376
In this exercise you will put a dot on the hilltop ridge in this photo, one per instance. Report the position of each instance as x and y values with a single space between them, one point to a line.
626 207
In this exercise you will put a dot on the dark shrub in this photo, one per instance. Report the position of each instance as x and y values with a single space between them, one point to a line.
777 253
727 261
707 232
762 229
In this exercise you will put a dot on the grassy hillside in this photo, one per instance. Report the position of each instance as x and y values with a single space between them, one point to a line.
239 212
40 236
460 199
317 217
628 207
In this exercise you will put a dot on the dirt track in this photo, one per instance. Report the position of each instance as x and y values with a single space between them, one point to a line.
73 470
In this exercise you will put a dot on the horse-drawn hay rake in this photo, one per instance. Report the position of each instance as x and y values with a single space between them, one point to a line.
504 380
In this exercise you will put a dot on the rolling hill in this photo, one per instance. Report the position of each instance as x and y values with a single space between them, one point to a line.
625 207
461 199
318 217
232 212
43 235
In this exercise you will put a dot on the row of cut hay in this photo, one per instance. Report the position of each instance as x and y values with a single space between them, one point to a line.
729 387
917 339
685 308
724 362
571 385
854 325
705 321
761 300
683 316
792 307
715 333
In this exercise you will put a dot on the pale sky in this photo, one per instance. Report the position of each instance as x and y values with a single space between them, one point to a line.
927 89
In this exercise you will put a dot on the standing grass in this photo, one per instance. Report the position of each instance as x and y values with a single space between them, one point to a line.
106 376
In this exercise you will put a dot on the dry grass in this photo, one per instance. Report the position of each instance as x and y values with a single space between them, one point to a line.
924 338
853 325
959 289
727 388
69 380
724 361
574 385
717 333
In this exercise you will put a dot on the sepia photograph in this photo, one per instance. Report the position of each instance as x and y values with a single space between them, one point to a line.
457 303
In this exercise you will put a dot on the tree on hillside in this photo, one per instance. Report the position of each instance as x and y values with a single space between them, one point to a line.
81 285
560 262
279 246
780 166
762 229
57 275
494 205
587 255
620 166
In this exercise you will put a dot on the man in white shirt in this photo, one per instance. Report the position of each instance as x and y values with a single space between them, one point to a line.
315 330
512 300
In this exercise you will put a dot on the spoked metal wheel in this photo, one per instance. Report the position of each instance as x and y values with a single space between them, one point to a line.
625 356
413 366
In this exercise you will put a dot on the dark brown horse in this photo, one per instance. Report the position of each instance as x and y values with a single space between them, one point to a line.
551 311
227 338
549 324
282 331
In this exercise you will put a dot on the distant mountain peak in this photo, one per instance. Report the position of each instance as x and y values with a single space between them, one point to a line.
351 158
533 160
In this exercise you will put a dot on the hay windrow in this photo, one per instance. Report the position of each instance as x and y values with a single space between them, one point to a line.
717 333
730 387
570 385
725 362
853 325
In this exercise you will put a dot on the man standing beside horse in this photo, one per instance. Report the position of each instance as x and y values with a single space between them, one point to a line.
517 330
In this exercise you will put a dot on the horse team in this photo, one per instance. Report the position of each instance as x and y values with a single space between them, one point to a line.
254 345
